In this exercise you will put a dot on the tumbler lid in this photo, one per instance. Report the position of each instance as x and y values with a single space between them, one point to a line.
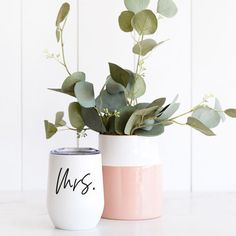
75 151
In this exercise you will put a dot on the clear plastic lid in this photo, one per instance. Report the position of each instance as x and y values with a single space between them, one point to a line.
75 151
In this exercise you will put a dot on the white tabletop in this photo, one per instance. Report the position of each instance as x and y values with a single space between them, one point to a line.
205 214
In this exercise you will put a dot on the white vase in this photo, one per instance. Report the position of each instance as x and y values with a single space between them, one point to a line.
131 176
75 198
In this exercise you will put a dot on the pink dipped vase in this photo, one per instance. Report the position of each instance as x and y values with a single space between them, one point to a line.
131 176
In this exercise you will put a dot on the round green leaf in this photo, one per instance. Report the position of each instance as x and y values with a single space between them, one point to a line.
110 101
120 122
198 125
113 87
158 102
134 121
141 105
155 131
219 109
166 8
63 12
136 88
169 111
207 116
75 116
231 112
125 21
59 119
69 83
84 92
136 5
149 125
144 47
145 22
119 75
50 129
92 119
146 112
110 126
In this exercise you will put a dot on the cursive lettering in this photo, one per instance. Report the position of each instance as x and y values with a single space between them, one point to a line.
66 182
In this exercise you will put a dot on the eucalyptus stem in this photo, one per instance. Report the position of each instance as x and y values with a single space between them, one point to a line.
62 48
135 101
184 114
139 56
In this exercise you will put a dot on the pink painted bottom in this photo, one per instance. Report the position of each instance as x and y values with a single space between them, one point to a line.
132 193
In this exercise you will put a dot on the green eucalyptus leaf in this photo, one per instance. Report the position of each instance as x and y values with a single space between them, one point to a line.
125 21
144 47
139 87
58 35
231 112
166 8
169 111
219 109
147 111
158 102
92 119
60 91
207 116
84 92
59 119
113 87
63 12
149 124
119 75
50 129
141 105
69 83
133 122
75 117
155 131
136 5
110 101
198 125
145 22
120 122
138 117
136 88
110 127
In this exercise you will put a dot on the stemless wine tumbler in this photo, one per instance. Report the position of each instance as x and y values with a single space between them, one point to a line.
75 198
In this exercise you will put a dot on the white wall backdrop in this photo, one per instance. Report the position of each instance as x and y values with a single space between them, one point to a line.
199 59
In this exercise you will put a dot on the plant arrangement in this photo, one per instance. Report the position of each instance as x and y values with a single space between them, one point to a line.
116 110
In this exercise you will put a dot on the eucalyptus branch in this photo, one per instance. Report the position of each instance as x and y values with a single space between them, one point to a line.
172 120
184 114
178 123
139 56
62 47
137 71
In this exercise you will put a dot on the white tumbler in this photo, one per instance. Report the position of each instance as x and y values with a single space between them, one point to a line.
75 197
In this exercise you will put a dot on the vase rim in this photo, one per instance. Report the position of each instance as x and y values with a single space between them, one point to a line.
126 136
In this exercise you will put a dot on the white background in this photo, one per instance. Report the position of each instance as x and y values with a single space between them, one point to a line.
199 59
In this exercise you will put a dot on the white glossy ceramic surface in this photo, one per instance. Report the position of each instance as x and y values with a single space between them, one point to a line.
124 150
